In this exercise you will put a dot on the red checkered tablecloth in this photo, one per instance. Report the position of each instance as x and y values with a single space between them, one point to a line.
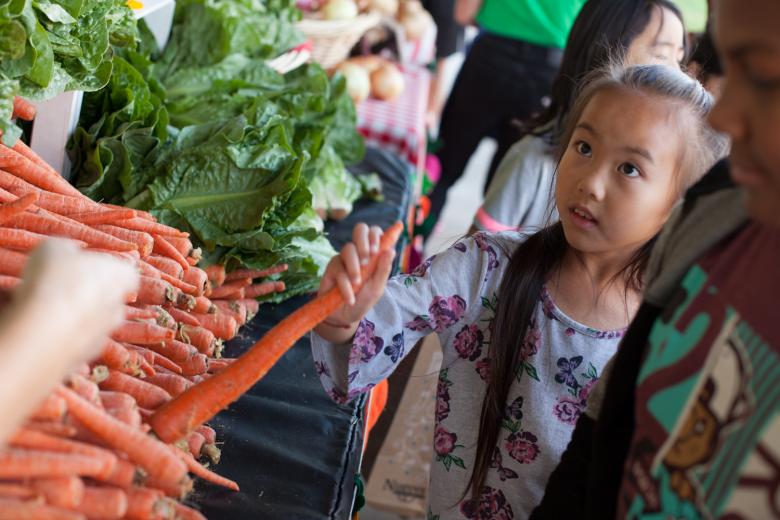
399 126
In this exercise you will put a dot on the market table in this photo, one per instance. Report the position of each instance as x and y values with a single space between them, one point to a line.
293 451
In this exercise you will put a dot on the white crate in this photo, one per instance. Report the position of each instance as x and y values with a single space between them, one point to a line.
57 118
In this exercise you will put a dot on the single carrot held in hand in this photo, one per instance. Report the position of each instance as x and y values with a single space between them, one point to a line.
201 402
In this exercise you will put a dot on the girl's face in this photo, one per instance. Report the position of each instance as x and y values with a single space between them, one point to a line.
748 41
661 43
616 183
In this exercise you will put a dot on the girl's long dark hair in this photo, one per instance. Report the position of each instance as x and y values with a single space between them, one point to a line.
603 29
540 256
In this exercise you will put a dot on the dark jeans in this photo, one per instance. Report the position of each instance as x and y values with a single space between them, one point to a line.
501 80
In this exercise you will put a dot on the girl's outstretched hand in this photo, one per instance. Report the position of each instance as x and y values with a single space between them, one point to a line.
343 271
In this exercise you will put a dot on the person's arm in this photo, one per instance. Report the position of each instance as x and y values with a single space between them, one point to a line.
466 11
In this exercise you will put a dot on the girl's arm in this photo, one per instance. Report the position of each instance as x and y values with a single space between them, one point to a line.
352 356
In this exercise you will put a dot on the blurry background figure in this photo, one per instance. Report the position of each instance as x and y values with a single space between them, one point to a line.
508 71
705 64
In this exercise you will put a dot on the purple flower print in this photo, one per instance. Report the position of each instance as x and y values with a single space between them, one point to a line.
421 269
531 342
366 345
396 349
483 369
352 376
483 245
419 324
337 395
570 331
442 406
567 410
566 375
468 342
491 505
460 247
446 312
585 390
321 368
443 441
522 447
357 391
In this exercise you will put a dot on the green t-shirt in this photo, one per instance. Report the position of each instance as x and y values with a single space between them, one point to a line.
543 22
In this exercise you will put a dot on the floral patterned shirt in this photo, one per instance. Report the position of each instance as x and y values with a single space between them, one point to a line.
454 295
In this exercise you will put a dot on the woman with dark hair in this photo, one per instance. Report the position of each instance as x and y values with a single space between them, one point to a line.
640 31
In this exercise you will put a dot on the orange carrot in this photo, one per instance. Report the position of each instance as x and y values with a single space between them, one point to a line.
55 429
52 409
197 469
124 475
152 455
145 215
184 301
252 307
20 205
55 202
256 273
103 502
195 442
49 224
233 308
85 388
23 109
181 316
18 463
171 383
145 394
194 365
144 241
201 338
13 509
153 291
216 274
23 240
261 289
216 365
9 283
197 277
164 248
208 433
182 244
222 325
166 363
19 165
11 490
174 350
230 291
166 265
147 504
142 333
21 148
116 356
179 284
151 227
201 402
137 313
203 306
12 262
65 492
110 399
109 216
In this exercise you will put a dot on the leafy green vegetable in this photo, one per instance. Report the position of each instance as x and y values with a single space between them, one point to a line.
50 46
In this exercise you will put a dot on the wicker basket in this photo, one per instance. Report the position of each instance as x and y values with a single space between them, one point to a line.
333 39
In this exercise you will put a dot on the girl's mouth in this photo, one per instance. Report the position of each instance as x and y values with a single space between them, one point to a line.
582 217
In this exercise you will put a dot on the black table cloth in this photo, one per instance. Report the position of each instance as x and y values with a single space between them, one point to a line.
294 452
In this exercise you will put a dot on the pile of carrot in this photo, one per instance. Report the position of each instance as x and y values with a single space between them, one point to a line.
87 452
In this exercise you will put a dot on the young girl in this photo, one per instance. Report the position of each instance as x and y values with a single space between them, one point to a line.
646 32
527 324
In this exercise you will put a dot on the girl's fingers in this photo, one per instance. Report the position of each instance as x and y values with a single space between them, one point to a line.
375 235
360 237
376 284
345 287
351 261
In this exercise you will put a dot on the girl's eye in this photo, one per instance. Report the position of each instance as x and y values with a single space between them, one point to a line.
584 148
629 170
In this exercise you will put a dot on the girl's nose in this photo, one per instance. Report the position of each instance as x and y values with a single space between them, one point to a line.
593 184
